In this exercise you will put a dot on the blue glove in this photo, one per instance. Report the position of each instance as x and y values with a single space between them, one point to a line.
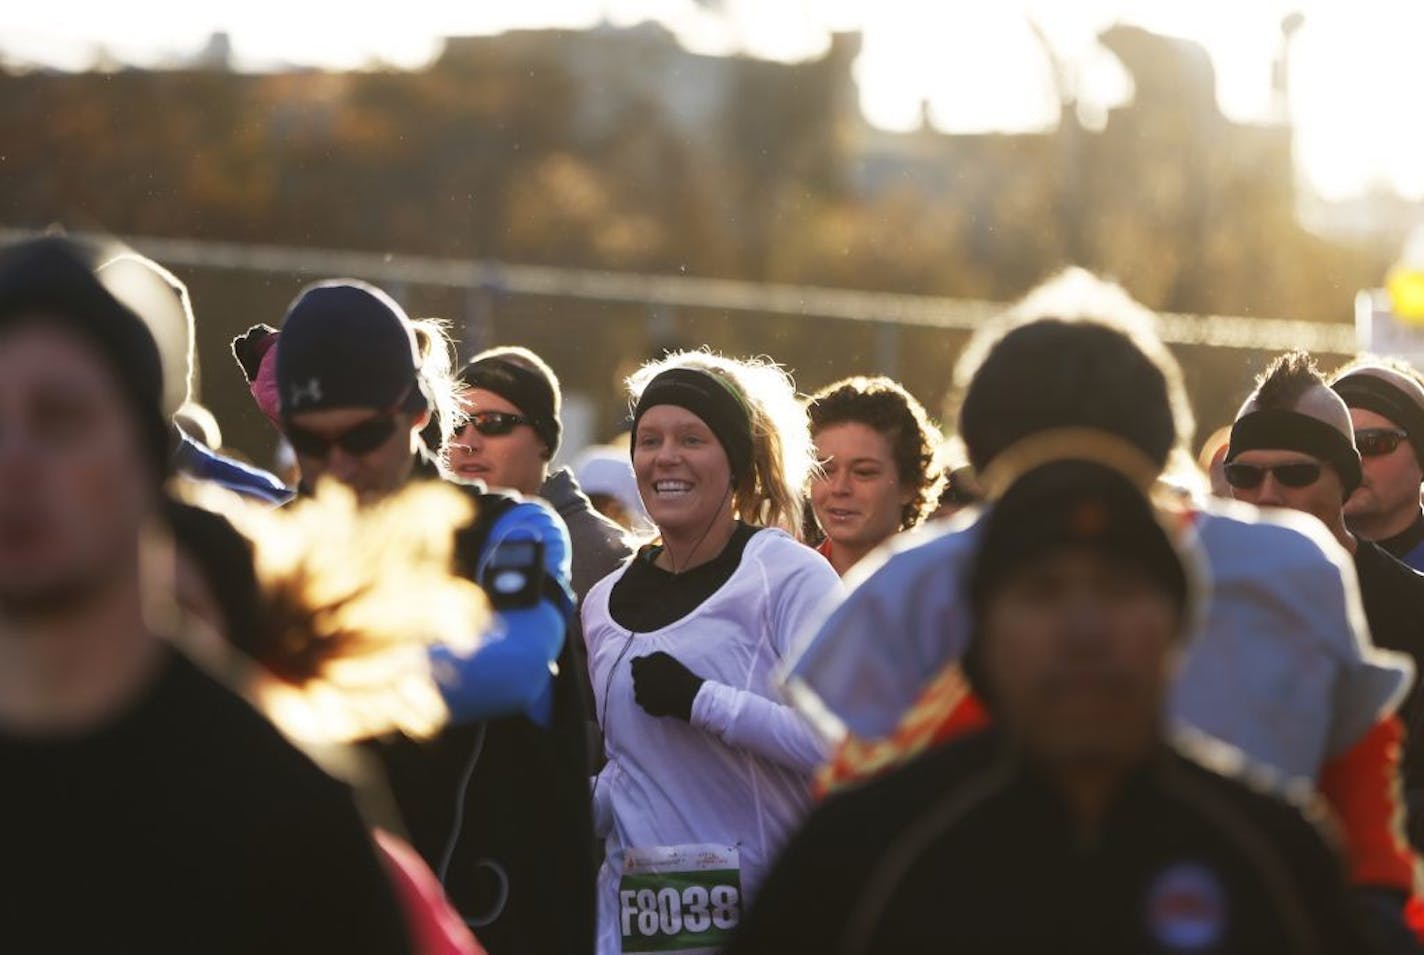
512 671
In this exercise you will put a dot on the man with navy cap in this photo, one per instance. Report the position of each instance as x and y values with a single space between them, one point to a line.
496 804
353 399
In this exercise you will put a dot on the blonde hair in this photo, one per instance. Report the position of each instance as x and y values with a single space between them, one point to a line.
435 371
783 457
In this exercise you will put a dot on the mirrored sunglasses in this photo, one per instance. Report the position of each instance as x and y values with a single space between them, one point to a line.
493 424
1377 442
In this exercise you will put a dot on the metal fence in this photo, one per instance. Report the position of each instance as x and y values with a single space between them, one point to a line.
681 291
597 324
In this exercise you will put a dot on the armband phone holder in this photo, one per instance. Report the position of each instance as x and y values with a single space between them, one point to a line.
513 575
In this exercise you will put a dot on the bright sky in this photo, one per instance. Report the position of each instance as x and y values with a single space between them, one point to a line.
978 64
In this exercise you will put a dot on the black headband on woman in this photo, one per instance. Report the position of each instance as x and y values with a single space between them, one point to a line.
1281 430
711 399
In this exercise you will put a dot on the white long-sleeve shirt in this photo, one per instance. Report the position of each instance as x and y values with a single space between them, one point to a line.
737 775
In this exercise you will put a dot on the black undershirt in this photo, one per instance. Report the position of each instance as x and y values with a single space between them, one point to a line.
1402 543
648 598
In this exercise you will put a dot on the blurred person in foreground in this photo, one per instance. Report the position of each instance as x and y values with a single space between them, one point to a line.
1293 446
496 803
1386 402
146 807
1280 665
323 614
1074 824
877 451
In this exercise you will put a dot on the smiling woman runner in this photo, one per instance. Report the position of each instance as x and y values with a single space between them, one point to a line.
707 771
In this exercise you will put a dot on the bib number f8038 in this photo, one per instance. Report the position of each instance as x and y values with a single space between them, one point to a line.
679 898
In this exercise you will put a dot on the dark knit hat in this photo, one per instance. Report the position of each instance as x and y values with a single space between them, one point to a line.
1279 429
1064 504
528 390
346 344
53 280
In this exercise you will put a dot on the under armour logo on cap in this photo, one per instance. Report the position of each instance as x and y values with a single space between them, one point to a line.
345 344
311 391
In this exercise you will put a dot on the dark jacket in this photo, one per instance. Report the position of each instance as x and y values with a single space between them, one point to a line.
500 809
1407 547
599 548
1393 595
967 850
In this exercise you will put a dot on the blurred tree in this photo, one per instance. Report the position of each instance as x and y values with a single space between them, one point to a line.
618 149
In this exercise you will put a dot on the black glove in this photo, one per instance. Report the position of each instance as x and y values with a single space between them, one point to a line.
249 347
664 687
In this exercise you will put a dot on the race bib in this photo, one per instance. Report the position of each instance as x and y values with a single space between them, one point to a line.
679 898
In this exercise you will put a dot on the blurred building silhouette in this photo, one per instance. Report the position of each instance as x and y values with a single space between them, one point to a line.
616 148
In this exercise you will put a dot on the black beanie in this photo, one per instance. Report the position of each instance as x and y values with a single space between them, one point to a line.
528 390
1280 429
52 279
346 344
1067 503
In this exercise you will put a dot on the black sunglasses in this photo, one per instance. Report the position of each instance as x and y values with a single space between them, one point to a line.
1377 442
493 424
361 439
1300 474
